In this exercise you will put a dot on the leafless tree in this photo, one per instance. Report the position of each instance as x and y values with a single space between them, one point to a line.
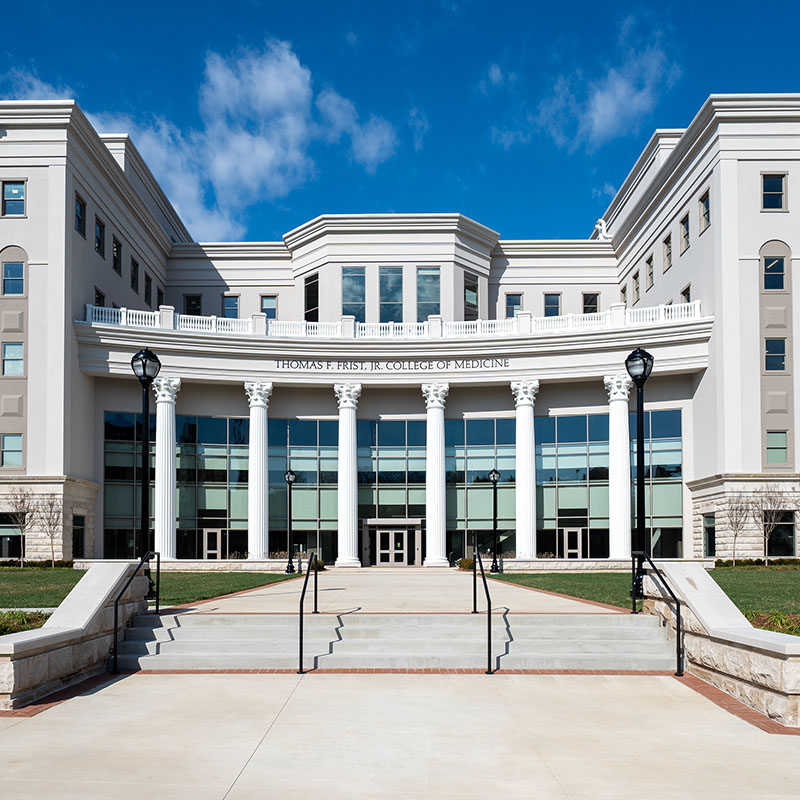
50 515
767 512
23 516
739 511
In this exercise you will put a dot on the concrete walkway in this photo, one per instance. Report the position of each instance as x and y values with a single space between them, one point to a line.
397 591
250 737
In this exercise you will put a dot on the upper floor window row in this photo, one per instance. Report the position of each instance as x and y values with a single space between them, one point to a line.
13 199
773 192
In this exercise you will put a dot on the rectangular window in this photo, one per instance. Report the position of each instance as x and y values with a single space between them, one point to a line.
667 252
13 282
80 216
649 277
99 298
774 272
12 450
193 305
777 447
686 294
354 293
312 298
685 233
635 288
470 297
552 305
428 292
772 192
709 536
13 363
775 355
135 275
623 295
78 536
13 199
116 255
148 289
99 237
513 305
269 306
391 294
591 303
705 212
159 297
230 306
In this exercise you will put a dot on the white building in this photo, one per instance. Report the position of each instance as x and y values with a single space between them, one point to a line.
391 361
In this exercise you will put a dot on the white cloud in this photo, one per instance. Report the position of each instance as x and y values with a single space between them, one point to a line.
418 123
608 190
351 38
495 74
27 85
495 78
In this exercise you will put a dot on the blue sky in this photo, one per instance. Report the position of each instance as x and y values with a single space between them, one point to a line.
526 116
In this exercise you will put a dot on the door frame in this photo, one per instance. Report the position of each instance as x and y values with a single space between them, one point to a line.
393 532
218 549
566 549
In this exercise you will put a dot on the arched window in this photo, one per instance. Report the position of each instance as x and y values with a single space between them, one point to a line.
775 260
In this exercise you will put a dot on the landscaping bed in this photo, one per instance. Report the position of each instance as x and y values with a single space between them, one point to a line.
18 621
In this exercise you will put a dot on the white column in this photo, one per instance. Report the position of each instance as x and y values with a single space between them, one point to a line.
258 471
435 519
525 456
347 395
619 466
165 389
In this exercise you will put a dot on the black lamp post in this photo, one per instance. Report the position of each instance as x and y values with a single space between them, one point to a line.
145 366
290 479
639 365
494 476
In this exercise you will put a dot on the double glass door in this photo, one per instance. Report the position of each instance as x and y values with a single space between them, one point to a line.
392 547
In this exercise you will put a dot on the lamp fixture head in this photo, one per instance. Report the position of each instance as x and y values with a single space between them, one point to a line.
145 366
639 365
494 476
290 477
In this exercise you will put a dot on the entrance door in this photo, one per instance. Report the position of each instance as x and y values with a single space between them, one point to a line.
392 547
571 543
213 545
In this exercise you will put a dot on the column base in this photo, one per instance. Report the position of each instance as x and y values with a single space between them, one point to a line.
347 562
435 562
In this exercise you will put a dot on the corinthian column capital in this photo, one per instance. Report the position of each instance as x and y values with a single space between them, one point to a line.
258 393
524 392
347 394
166 388
435 394
618 386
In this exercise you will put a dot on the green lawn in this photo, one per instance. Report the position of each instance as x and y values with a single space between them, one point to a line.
178 588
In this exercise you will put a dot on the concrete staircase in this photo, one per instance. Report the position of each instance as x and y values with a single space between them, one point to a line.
396 641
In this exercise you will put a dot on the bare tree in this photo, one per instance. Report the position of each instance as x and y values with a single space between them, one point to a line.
50 515
739 511
23 516
767 512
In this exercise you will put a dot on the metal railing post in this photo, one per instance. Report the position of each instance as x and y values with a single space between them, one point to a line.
489 669
311 564
475 573
144 559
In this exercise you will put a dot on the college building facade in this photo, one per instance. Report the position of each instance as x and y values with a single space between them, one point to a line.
393 361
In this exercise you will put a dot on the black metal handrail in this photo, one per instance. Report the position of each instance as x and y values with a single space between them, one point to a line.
637 591
144 560
311 564
477 559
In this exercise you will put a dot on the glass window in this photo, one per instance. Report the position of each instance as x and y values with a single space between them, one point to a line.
269 306
705 212
685 233
774 272
354 293
391 433
470 296
665 424
159 297
230 306
513 305
148 289
777 447
686 294
135 275
193 304
775 355
591 303
303 433
709 535
13 198
428 292
635 287
667 253
119 426
480 432
552 305
80 216
116 254
772 190
78 536
544 430
12 450
312 298
649 277
99 298
623 295
212 430
391 294
571 429
12 359
13 282
99 237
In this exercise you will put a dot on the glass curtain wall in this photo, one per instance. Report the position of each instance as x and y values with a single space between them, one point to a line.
391 294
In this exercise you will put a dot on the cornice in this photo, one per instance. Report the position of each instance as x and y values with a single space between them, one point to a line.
542 248
761 478
219 251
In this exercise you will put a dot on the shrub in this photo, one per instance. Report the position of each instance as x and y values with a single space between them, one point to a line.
750 563
319 565
18 621
465 564
38 564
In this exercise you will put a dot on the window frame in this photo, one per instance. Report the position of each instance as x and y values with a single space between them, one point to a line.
596 296
704 207
148 289
24 214
3 279
666 244
784 194
476 310
767 355
4 450
101 296
116 258
199 298
3 360
79 201
686 293
544 304
358 272
649 273
637 287
388 304
99 236
683 226
261 305
623 295
519 306
225 297
310 313
764 276
767 449
134 275
417 301
159 296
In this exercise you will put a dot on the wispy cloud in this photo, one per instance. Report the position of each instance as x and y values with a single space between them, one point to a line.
260 119
496 77
607 190
418 123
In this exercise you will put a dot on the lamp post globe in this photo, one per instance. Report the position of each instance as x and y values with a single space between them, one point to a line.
145 366
494 477
290 477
